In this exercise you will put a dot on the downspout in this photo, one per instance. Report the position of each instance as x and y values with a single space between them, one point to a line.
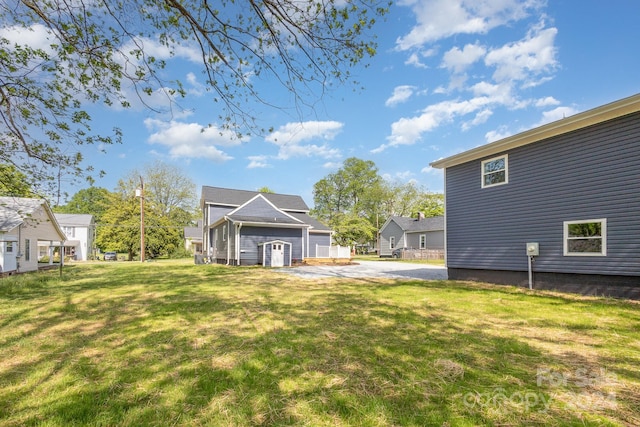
18 248
228 242
238 243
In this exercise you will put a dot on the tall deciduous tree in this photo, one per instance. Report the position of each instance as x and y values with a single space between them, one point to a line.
116 52
171 191
407 199
169 206
355 201
13 182
350 190
93 201
119 229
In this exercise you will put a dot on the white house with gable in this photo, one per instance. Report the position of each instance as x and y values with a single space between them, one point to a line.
79 230
26 224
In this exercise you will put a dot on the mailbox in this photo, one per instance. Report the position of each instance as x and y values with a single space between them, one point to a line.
533 249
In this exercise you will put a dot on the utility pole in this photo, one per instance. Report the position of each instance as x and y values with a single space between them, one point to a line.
140 193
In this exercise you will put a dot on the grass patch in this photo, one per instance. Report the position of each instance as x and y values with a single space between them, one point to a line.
172 343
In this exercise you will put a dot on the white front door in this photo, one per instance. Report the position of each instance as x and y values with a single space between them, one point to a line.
8 252
277 255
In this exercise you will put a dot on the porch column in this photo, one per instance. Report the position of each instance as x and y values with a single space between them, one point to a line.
51 248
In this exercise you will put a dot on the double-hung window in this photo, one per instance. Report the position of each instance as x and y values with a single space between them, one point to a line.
495 171
423 241
585 238
392 242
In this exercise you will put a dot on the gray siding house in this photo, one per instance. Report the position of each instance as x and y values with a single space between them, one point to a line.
571 186
249 228
412 233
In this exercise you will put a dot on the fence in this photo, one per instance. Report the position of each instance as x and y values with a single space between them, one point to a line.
333 251
422 254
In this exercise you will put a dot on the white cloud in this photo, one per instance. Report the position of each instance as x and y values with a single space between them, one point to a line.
545 102
438 19
408 131
431 171
415 58
498 134
458 60
332 165
197 88
400 95
290 136
556 114
480 118
192 140
524 59
36 36
258 162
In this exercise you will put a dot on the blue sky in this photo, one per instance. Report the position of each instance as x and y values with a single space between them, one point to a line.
449 75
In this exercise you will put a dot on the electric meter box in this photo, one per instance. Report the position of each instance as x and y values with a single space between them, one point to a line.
533 249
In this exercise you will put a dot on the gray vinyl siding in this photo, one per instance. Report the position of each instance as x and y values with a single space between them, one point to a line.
591 173
322 239
217 212
260 208
435 239
252 236
392 229
413 240
223 243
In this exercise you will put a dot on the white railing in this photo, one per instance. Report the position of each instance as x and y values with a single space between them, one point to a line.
333 251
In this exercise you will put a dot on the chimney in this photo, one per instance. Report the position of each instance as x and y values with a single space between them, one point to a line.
420 216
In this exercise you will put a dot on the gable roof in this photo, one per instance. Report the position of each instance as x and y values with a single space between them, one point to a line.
236 198
413 225
15 210
578 121
260 210
74 220
316 225
194 233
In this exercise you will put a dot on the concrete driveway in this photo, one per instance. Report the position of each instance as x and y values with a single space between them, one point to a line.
371 269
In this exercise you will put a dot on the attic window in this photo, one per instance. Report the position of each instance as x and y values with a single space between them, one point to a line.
495 171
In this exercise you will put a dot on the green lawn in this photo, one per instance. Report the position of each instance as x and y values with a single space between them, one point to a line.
172 343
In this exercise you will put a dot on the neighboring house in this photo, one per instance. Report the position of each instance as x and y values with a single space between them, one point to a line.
571 186
413 233
25 224
248 228
193 238
79 230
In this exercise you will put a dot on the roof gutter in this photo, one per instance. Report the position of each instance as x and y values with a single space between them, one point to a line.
578 121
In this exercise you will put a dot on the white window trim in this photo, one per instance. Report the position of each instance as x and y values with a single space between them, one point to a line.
392 242
423 243
565 239
506 170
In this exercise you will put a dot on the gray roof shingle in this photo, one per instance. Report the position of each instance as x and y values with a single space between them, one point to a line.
14 210
230 197
413 225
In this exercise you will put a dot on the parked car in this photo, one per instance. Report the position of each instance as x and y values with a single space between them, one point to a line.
398 252
110 256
